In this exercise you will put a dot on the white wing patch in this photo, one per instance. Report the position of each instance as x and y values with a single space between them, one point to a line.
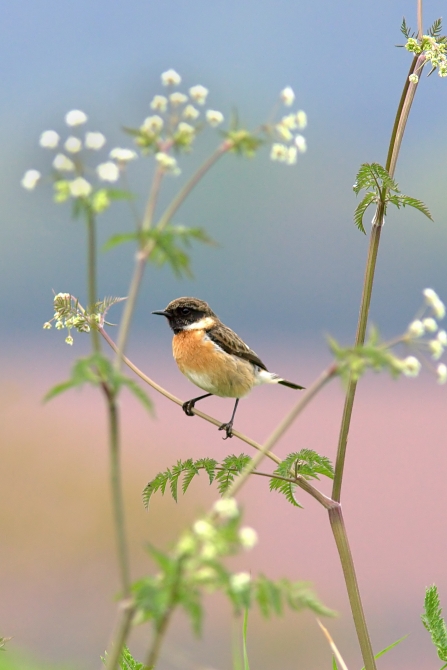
264 377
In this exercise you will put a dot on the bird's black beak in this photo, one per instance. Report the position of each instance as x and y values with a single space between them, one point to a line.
162 313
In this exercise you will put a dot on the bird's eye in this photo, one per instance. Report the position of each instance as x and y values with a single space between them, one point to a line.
185 310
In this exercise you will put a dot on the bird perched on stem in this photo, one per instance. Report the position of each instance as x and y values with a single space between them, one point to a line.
213 357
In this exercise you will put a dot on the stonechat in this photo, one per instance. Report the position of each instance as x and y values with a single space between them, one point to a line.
213 357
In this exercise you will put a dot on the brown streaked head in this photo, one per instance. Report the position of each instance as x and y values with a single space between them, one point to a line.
183 312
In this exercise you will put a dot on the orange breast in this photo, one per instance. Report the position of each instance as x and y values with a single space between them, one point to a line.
210 368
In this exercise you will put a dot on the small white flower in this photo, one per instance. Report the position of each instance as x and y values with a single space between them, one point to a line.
289 121
209 551
177 99
301 119
79 188
287 96
47 325
214 117
69 340
430 325
159 103
248 537
203 529
186 128
62 163
442 337
123 155
94 141
416 328
62 296
170 78
301 144
292 153
108 171
436 349
240 581
413 78
199 94
432 299
168 163
49 139
75 117
283 132
441 371
190 112
411 366
152 124
30 179
73 145
226 508
279 152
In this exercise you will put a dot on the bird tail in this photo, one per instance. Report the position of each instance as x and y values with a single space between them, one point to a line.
291 385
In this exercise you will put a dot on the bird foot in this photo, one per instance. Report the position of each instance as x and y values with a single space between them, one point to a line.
188 406
228 428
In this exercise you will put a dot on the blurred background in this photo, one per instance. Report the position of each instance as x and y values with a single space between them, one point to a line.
288 270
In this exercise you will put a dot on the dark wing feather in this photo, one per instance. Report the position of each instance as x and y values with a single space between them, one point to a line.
231 343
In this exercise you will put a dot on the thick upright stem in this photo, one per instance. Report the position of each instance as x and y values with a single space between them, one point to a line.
117 495
402 114
347 564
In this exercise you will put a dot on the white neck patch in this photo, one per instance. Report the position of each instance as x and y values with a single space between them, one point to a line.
202 324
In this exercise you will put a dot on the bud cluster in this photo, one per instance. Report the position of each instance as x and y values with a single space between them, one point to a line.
434 51
69 314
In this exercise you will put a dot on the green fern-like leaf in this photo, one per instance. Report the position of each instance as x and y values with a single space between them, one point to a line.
306 463
435 29
286 488
231 466
433 621
361 209
128 662
405 201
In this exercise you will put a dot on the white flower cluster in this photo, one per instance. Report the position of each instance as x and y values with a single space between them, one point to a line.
435 53
176 121
68 314
291 141
69 161
427 325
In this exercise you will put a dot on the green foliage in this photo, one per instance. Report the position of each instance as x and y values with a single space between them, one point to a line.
305 463
97 370
381 188
196 567
353 362
223 473
127 661
434 623
405 30
436 29
167 245
390 646
243 142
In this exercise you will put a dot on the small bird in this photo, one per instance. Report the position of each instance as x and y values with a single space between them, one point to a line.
213 357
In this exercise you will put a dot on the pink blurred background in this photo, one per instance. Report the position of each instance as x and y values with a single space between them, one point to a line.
58 567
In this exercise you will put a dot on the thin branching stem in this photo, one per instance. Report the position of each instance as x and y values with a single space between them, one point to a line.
403 112
92 288
145 251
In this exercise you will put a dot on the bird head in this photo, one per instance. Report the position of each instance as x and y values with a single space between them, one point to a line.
188 314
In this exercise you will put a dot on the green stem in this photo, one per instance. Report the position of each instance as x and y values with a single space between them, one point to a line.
92 289
127 610
117 494
344 551
402 114
279 431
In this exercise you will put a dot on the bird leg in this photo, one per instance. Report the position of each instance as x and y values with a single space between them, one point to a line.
188 406
228 427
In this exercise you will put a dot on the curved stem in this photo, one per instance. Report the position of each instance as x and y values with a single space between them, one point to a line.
402 114
126 612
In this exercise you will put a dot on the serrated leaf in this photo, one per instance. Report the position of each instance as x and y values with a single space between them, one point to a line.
361 209
433 621
406 201
128 662
436 28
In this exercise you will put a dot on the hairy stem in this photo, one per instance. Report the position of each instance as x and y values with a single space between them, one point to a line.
347 563
403 112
